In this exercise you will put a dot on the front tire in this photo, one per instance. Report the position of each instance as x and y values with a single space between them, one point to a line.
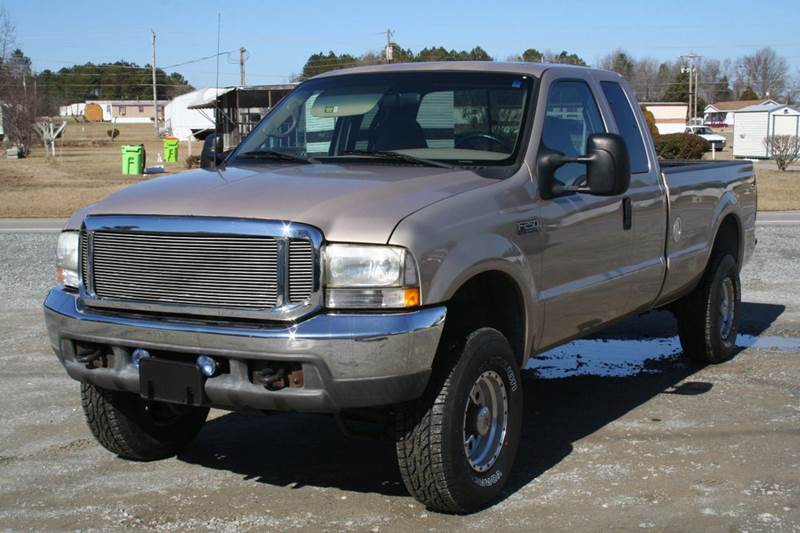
456 445
708 318
125 424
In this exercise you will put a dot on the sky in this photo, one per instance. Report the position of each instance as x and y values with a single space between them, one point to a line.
279 36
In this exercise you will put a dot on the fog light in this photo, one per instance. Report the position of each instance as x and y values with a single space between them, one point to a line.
137 355
207 365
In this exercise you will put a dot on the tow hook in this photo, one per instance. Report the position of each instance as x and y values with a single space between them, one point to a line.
271 378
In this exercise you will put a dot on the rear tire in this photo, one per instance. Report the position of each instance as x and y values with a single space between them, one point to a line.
708 317
456 445
125 424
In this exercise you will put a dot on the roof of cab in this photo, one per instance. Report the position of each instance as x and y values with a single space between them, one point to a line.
530 69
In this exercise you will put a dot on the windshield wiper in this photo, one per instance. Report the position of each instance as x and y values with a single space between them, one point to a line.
275 155
397 156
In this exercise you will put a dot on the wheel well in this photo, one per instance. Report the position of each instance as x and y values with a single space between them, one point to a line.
728 238
490 299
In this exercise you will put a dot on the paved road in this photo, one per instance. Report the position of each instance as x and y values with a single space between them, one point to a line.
641 440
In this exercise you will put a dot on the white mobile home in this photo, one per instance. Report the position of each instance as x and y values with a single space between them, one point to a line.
183 122
755 123
670 117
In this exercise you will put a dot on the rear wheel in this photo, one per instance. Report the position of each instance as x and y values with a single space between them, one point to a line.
456 445
708 318
133 428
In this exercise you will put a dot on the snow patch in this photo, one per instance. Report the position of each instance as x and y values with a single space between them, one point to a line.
629 357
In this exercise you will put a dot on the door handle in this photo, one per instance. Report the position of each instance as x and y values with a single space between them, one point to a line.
627 213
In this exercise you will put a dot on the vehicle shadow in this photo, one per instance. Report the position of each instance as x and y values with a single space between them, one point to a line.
298 450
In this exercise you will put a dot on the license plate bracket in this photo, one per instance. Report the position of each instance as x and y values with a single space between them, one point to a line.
171 381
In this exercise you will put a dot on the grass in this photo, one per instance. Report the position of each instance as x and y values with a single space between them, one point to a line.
88 169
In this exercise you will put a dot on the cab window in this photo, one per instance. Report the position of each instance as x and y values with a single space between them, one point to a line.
571 115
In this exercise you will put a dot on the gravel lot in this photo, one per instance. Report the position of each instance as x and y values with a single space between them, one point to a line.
647 442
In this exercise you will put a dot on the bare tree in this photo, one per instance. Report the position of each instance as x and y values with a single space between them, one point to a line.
765 71
784 149
644 79
8 33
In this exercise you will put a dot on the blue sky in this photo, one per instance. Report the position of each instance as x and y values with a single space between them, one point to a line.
281 35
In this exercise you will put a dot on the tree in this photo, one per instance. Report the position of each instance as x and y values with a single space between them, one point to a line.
650 119
568 59
620 62
678 90
532 55
765 71
722 90
321 62
784 149
748 94
8 34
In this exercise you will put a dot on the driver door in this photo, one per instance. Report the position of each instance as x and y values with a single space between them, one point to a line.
586 248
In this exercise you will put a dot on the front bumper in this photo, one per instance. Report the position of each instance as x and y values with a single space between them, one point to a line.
348 360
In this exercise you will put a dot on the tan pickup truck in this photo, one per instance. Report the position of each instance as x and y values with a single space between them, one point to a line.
392 243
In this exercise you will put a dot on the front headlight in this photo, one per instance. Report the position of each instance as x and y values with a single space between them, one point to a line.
370 276
67 259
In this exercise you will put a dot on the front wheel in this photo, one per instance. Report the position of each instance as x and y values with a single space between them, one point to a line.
456 445
133 428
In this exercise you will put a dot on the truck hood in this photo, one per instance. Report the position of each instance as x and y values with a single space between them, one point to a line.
350 202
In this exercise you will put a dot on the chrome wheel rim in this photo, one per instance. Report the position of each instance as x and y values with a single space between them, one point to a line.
485 420
727 308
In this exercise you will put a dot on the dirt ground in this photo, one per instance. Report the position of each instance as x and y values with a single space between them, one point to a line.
643 441
88 167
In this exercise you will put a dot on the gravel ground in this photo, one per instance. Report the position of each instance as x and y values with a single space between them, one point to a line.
664 447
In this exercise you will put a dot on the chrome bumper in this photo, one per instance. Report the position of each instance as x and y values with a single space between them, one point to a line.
348 360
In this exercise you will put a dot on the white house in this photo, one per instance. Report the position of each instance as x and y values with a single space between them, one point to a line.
721 113
72 110
183 122
754 123
670 117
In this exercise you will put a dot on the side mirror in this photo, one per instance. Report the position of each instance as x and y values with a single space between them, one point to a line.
607 167
212 153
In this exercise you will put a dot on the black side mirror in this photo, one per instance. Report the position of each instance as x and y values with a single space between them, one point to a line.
212 153
607 167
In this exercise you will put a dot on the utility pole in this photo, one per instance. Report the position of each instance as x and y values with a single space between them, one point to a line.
155 93
694 82
389 48
241 66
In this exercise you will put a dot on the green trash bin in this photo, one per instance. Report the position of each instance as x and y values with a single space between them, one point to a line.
132 159
171 145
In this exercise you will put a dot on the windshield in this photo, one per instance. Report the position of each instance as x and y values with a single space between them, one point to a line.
454 117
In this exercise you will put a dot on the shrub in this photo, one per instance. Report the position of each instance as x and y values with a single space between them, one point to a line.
681 146
193 161
651 122
784 149
113 133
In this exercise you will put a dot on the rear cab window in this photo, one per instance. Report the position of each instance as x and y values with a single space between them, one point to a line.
627 125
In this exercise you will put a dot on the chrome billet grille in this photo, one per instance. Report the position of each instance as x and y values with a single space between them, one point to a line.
301 270
224 271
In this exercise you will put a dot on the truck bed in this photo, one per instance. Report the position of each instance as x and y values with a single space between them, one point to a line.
698 192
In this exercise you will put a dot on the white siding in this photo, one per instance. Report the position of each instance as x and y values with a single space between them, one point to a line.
784 124
749 131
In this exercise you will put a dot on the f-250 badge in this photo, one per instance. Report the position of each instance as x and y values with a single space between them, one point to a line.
530 225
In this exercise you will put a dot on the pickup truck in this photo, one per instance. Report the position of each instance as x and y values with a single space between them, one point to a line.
392 244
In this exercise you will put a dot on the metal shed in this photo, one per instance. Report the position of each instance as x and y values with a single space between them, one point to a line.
755 123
